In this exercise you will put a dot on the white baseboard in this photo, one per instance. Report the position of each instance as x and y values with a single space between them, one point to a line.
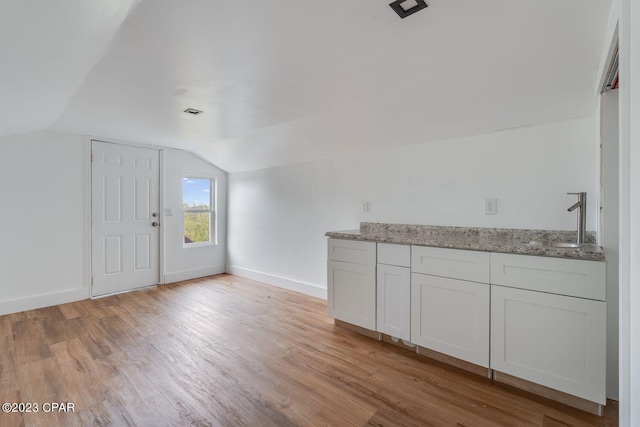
179 276
41 301
281 282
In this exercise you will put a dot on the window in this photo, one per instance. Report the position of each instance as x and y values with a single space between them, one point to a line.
198 209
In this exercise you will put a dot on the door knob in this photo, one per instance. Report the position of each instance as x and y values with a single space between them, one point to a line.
155 224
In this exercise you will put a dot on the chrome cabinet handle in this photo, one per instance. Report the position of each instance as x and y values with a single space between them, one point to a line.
155 224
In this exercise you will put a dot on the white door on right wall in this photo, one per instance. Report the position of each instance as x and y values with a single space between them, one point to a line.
609 226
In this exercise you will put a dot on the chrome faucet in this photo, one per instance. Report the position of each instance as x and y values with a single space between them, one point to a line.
582 216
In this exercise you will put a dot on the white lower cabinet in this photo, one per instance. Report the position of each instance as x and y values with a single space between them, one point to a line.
351 293
451 316
536 318
394 301
552 340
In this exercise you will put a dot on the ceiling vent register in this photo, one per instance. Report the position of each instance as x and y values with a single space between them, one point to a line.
405 8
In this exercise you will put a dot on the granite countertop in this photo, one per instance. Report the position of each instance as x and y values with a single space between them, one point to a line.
504 240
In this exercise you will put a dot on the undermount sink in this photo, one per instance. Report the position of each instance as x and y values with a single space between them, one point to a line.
553 244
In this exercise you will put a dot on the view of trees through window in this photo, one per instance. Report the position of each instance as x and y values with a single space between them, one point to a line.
196 202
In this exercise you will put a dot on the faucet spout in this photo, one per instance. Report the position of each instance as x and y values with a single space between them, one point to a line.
575 206
582 216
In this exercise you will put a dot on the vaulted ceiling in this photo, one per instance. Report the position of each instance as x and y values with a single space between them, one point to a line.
285 81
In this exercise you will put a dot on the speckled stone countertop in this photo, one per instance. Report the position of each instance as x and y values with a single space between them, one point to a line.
504 240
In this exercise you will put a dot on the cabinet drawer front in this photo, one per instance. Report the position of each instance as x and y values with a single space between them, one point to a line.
451 317
391 254
394 301
579 278
351 293
453 263
552 340
352 251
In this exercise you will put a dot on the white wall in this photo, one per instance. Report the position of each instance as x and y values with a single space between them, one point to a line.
182 263
278 216
42 220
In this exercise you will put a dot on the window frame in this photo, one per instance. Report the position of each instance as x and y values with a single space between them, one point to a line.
213 218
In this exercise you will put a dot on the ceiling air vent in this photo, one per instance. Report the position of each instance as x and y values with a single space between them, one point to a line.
405 8
193 111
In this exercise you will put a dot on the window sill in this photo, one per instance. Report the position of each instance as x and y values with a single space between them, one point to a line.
197 245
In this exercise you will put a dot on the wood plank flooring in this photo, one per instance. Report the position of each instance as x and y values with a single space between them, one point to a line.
228 351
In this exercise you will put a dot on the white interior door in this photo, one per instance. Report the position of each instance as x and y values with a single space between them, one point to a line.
125 249
610 226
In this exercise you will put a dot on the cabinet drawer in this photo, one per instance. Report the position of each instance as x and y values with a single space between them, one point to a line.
352 251
552 340
578 278
453 263
390 254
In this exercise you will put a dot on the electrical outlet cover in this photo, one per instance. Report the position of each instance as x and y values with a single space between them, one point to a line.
490 206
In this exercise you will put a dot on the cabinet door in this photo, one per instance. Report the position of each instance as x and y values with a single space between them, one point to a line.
394 301
351 293
553 340
451 316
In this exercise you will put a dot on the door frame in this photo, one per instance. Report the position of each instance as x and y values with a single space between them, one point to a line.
88 197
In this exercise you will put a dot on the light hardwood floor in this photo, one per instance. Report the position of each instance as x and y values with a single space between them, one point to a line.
228 351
